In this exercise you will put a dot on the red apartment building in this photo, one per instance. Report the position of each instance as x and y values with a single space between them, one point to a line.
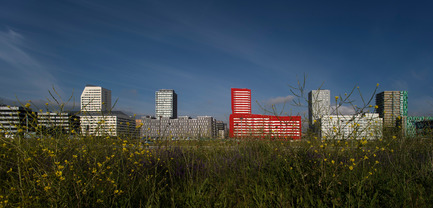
245 124
241 101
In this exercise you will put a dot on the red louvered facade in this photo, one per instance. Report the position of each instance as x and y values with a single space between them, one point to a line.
243 124
241 101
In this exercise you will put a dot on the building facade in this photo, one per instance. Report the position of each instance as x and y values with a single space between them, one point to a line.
253 125
95 98
165 104
222 131
319 103
360 126
414 124
59 122
183 127
108 123
243 124
392 106
14 120
241 101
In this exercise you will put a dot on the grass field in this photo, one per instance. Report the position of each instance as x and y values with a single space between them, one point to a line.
116 172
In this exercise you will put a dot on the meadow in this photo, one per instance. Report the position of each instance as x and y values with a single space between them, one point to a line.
67 171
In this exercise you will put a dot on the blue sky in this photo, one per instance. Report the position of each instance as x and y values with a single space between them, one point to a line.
201 49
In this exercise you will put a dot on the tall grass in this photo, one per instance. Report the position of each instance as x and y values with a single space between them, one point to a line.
92 171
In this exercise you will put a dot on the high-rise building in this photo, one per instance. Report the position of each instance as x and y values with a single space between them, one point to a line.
319 103
243 124
391 106
241 101
165 104
95 98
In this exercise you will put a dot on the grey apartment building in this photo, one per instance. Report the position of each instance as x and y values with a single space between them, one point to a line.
165 104
319 103
166 124
183 127
14 119
63 122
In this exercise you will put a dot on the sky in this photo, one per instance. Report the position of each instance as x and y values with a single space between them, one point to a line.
202 49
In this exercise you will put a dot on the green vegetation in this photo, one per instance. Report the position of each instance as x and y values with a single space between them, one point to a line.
95 171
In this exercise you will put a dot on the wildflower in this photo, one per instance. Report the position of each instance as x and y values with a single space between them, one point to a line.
47 188
376 107
394 137
59 173
377 162
350 167
336 97
352 160
27 105
377 85
365 157
332 161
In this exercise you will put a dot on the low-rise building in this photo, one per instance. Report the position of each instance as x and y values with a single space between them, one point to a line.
59 121
182 127
253 125
16 119
365 125
108 123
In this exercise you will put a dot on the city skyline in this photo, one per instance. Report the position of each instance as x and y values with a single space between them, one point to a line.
203 49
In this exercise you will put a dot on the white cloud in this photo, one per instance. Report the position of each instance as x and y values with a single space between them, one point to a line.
279 100
342 110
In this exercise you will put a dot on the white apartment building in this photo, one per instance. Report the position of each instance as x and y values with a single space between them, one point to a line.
95 98
165 104
360 126
114 123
